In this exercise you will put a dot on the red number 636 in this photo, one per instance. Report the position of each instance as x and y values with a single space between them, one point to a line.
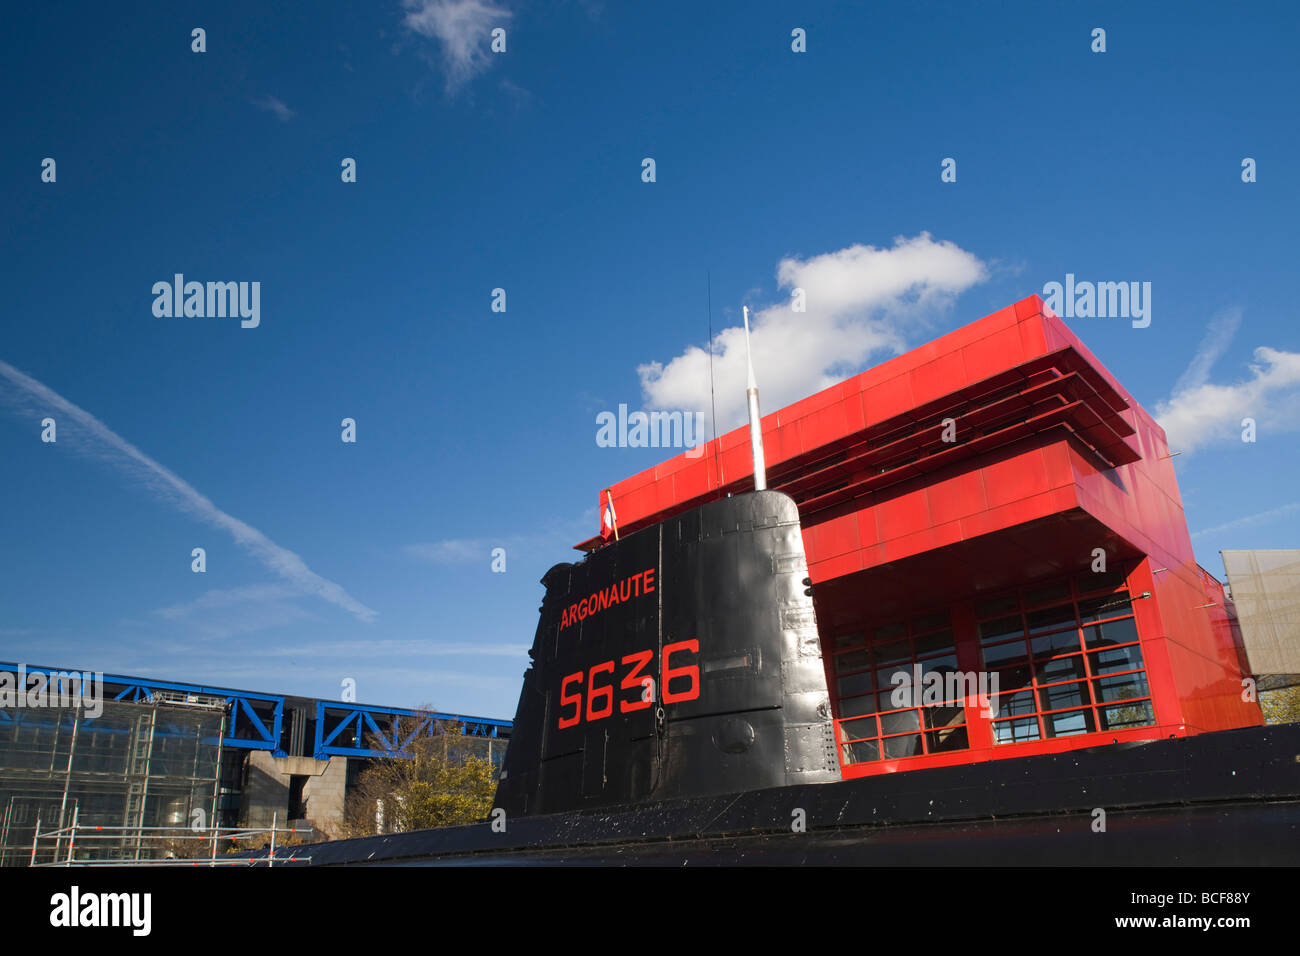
600 697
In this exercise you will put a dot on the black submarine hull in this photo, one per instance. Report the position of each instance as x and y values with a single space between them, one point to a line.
1230 798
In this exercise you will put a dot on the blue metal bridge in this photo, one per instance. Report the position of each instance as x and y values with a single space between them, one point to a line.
256 721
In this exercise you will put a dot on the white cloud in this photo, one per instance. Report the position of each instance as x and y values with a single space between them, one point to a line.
1206 412
86 434
275 106
860 301
463 31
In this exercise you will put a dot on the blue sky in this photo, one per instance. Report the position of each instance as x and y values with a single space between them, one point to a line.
523 171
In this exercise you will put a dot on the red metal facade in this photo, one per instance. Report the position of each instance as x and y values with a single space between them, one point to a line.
980 480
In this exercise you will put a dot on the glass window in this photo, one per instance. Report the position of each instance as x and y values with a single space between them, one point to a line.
934 643
863 751
1104 606
1011 678
946 684
886 702
1060 696
904 695
1114 659
1068 724
1121 687
900 722
936 718
1138 714
940 665
1000 629
887 632
886 677
1062 642
850 640
1059 669
1100 581
856 729
907 746
1087 669
998 606
892 653
954 738
930 622
857 684
1047 593
857 706
1015 705
1015 731
1051 618
1000 654
853 661
1123 631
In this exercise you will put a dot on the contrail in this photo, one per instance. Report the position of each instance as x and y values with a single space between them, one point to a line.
1218 336
183 495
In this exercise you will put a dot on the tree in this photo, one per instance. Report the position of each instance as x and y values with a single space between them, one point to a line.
1280 705
442 783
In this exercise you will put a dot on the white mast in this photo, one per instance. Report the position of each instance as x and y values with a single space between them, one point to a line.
755 429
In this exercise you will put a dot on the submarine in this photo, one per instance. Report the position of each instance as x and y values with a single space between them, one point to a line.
676 711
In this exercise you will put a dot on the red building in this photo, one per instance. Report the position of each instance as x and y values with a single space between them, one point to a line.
994 503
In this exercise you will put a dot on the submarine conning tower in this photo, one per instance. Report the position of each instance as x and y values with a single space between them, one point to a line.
682 660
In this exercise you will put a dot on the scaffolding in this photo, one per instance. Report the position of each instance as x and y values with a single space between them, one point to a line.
122 771
166 846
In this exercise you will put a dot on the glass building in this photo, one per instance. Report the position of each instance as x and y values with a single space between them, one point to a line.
135 765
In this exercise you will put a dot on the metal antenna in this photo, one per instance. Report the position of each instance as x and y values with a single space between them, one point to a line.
755 429
713 398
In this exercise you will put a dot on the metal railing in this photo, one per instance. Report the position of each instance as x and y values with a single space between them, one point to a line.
163 841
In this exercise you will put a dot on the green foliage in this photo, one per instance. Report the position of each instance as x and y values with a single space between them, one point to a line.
444 783
1281 706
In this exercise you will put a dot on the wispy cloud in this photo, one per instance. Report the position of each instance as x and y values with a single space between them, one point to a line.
92 437
859 301
231 597
1218 336
463 31
1260 518
397 649
555 540
218 615
275 106
455 550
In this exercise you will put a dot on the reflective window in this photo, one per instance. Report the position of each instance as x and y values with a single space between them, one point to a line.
1015 731
911 666
856 661
1127 715
1087 670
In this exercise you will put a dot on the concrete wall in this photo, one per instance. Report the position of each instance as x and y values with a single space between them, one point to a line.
267 792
